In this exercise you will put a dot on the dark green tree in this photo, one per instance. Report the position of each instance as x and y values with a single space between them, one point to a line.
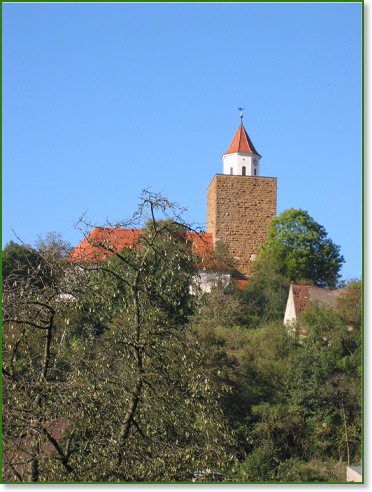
21 261
18 259
310 418
316 410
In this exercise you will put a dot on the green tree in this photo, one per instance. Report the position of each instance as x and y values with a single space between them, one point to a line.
336 335
260 465
221 307
350 304
302 249
330 402
136 399
309 418
163 417
266 294
18 260
35 383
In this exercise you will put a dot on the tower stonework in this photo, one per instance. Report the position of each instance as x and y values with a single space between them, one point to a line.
240 208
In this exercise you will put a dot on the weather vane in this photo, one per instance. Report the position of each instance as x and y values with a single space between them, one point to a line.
241 113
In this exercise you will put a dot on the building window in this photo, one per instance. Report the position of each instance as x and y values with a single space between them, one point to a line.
244 171
231 171
255 171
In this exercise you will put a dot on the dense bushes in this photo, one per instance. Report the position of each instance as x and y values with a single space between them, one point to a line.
297 403
116 373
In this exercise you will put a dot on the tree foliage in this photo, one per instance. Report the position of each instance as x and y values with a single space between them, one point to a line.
121 371
302 249
104 379
34 377
18 258
267 291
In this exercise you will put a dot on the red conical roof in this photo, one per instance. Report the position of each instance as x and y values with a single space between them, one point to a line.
242 143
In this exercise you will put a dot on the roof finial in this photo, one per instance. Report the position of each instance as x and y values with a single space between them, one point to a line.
241 115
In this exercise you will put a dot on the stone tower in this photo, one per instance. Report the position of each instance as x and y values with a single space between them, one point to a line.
241 203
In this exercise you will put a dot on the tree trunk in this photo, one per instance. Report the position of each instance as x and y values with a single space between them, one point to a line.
129 418
34 460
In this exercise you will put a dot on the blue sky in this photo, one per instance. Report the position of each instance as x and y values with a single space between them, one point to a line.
103 100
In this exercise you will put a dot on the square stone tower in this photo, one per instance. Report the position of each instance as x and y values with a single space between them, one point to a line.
240 203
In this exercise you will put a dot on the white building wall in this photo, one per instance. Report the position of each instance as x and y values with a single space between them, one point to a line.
290 311
210 280
354 474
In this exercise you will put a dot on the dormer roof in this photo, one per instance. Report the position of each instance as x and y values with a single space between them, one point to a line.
241 143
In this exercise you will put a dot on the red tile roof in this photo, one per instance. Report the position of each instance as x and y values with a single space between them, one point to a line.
202 246
103 241
242 143
304 295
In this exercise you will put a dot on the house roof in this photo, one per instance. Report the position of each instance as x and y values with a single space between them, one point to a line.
304 295
102 241
241 143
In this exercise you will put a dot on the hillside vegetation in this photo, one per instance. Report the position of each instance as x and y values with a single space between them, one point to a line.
115 372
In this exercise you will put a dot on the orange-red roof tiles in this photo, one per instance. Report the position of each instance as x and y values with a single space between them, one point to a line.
103 241
242 143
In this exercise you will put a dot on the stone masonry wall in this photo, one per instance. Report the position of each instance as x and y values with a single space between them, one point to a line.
239 209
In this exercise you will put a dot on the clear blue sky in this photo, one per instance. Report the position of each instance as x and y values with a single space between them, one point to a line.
103 100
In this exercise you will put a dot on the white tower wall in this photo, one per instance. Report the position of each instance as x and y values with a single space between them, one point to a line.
235 163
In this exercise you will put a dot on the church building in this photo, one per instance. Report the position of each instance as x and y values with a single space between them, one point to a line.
240 205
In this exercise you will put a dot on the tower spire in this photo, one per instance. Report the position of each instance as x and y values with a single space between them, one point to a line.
241 158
